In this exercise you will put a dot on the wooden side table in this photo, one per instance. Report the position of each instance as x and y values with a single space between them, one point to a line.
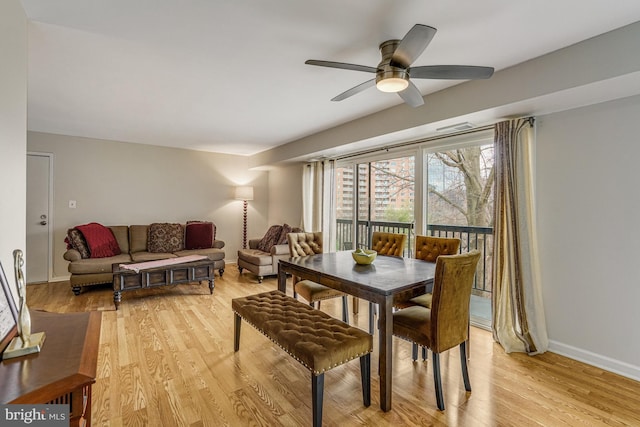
65 368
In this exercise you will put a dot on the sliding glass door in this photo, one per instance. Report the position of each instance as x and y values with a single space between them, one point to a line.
375 196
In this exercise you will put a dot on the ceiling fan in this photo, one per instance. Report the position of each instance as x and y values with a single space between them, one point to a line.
394 72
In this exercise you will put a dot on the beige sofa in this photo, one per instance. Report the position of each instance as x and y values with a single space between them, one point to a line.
132 241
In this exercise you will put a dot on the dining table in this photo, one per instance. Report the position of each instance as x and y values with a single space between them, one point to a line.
386 280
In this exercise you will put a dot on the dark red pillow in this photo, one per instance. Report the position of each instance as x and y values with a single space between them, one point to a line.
198 235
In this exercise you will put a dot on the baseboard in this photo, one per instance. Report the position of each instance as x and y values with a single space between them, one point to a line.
59 279
603 362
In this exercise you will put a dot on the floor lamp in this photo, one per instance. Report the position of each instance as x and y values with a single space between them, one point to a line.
245 194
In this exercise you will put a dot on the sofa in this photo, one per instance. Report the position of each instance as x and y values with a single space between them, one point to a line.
133 245
263 254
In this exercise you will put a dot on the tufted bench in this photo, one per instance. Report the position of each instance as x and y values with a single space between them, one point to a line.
312 337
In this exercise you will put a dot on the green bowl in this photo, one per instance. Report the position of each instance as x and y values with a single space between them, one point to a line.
365 257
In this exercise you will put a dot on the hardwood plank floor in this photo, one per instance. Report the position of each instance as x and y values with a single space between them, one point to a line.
166 359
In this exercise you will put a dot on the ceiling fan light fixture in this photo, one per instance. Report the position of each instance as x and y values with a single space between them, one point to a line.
392 84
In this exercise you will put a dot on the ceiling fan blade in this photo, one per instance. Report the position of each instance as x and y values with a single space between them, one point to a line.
412 45
355 89
342 65
450 72
412 96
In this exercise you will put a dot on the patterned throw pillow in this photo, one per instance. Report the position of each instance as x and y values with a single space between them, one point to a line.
165 237
198 235
270 238
286 229
75 239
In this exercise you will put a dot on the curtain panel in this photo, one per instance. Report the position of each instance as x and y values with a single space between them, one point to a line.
518 312
319 201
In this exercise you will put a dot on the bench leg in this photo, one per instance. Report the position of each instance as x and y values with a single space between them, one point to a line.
317 391
237 322
365 374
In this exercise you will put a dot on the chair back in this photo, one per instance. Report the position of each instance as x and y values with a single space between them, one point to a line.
388 243
428 248
451 296
303 244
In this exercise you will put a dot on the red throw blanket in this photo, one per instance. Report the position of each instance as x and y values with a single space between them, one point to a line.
100 239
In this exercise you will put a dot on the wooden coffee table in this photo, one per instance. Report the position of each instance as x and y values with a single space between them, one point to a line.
187 272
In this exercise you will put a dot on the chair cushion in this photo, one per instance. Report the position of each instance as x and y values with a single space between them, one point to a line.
270 238
165 237
312 291
214 254
255 256
423 300
97 265
413 323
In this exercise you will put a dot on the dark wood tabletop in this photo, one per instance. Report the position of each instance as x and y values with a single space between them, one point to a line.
387 279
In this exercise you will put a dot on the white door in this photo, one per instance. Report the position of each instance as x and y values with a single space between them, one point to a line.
37 256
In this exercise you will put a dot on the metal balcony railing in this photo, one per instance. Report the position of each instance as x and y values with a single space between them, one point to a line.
480 238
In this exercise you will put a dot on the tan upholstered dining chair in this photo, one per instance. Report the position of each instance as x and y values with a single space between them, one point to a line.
446 324
303 244
389 244
429 248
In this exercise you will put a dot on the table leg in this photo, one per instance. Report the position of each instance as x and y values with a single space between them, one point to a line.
117 297
386 352
282 279
211 285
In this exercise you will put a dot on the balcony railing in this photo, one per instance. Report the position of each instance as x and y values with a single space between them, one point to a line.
480 238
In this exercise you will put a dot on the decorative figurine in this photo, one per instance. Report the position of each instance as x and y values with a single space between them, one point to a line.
25 342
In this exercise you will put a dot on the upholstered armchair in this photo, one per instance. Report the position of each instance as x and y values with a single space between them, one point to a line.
304 244
446 324
389 244
429 248
263 254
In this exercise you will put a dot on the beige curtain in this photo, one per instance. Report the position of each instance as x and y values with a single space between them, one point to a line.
518 312
319 201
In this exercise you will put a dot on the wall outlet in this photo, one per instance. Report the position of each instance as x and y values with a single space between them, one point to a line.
72 204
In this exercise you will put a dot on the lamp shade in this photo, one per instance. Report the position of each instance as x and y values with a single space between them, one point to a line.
244 193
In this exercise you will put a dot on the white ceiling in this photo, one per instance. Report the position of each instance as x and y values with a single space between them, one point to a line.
229 76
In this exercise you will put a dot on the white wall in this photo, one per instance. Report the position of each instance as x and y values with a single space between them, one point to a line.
117 183
13 133
285 195
588 209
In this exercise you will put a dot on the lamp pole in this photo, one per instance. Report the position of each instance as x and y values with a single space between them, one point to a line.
245 194
245 203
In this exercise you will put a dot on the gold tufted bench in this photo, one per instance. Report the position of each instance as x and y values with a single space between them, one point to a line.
315 339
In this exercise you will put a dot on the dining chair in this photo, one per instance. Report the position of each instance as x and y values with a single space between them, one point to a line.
389 244
446 324
303 244
429 248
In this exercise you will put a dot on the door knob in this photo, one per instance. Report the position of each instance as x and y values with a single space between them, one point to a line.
43 222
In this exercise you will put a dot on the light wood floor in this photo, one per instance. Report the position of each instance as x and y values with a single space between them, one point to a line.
166 359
